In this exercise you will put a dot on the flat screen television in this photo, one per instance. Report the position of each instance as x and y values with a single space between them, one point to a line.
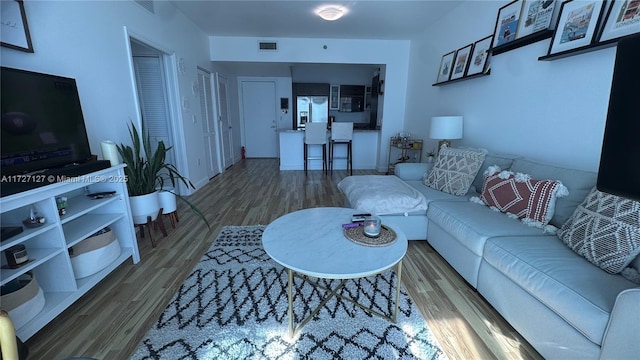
42 124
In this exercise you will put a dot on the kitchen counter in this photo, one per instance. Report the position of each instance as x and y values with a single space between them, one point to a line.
364 150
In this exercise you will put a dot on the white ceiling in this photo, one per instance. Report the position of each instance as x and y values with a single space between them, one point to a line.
366 19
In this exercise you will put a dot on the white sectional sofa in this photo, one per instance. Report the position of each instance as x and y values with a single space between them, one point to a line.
566 307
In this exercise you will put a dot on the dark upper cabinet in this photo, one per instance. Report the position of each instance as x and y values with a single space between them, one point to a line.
351 98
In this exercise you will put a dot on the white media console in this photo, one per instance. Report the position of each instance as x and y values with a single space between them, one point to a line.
48 245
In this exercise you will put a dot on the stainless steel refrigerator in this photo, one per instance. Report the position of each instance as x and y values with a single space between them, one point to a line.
312 109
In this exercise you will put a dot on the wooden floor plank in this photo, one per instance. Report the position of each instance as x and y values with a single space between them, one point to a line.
112 318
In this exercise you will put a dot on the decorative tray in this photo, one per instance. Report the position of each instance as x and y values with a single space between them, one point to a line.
356 234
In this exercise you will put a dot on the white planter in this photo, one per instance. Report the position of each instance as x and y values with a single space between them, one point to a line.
167 201
143 206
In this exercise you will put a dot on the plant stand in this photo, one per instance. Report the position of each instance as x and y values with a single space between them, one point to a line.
153 224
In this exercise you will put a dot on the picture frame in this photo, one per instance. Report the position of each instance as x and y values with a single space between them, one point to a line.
446 64
461 62
14 32
577 24
623 19
478 61
507 23
536 15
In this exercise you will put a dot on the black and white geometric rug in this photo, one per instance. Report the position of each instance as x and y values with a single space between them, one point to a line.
234 306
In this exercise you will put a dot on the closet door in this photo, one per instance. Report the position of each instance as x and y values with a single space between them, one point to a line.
153 100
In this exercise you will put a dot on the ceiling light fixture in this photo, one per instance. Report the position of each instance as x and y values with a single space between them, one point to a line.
331 12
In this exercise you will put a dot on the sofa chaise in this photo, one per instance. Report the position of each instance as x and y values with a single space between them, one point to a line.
560 301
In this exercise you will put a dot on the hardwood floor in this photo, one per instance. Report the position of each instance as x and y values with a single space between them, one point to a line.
110 320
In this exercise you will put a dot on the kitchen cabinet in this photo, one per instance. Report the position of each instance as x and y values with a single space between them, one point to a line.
48 245
334 97
352 98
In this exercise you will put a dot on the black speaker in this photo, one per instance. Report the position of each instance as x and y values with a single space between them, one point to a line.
619 172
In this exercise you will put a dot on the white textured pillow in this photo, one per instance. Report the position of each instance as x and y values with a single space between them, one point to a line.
605 229
455 170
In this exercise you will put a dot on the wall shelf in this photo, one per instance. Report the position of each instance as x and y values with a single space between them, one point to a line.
463 78
580 50
524 41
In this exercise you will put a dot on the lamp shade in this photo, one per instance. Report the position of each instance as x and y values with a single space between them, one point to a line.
446 127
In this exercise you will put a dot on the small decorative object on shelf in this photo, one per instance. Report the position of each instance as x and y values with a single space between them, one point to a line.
16 256
61 202
34 219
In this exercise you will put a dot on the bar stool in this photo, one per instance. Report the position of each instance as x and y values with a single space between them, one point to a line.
315 134
341 133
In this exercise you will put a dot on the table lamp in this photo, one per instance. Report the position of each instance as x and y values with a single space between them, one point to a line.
445 128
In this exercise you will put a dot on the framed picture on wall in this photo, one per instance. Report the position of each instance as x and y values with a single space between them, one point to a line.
446 64
623 18
576 26
507 23
536 16
479 56
461 61
14 33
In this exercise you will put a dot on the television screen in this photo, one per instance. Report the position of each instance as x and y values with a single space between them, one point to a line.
41 123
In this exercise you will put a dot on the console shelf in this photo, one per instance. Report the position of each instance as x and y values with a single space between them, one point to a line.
48 245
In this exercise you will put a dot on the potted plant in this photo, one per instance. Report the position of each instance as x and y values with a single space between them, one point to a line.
147 171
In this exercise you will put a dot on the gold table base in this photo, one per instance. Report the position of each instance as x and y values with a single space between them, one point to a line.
295 330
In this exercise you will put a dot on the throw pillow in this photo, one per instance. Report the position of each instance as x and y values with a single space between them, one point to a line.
605 229
454 170
528 199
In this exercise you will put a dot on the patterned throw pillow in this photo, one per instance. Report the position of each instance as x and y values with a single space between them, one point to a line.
604 229
455 170
528 199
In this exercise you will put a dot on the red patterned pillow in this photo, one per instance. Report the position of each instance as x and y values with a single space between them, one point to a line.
531 200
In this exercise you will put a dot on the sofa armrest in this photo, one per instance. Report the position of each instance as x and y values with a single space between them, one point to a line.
621 336
411 171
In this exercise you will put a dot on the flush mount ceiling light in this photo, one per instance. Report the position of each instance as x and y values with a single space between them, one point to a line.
331 12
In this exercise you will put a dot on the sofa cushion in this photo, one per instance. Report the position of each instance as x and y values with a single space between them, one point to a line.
472 225
518 194
504 161
578 182
605 230
454 170
566 283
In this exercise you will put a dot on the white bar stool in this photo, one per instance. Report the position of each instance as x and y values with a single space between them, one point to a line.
315 134
341 133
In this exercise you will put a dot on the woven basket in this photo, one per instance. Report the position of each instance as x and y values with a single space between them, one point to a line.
24 303
94 254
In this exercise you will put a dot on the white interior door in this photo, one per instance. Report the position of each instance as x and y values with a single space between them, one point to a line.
224 121
209 132
259 118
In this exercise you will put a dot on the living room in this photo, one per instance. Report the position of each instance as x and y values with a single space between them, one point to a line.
551 111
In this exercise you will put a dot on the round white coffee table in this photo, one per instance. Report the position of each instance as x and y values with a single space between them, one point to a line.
311 242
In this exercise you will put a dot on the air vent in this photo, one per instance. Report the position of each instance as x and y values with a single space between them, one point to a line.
147 4
268 46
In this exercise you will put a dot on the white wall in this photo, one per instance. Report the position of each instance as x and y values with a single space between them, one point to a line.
392 53
86 40
552 111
